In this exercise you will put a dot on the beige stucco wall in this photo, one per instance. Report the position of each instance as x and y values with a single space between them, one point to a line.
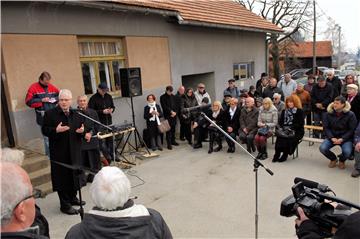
26 56
152 55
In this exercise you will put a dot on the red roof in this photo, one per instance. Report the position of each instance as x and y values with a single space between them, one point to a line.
223 13
305 49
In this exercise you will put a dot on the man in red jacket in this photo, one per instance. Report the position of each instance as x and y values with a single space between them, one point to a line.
42 96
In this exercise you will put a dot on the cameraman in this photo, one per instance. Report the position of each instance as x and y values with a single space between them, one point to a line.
307 229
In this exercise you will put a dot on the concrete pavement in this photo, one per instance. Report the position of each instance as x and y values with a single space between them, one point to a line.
213 196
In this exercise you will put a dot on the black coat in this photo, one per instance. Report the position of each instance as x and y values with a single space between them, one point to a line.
336 84
233 122
168 104
21 235
220 120
188 102
297 126
64 147
321 95
340 126
92 127
99 103
355 106
152 125
270 91
100 227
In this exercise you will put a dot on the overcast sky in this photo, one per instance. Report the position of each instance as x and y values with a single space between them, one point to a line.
346 13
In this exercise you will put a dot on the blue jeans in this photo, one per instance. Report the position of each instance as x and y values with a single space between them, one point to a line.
346 149
46 146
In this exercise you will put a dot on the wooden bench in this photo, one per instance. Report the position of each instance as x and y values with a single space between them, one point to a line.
310 138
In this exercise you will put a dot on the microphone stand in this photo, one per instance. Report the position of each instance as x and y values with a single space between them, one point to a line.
103 125
78 171
256 165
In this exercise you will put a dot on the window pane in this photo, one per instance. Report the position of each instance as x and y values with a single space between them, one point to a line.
88 73
84 48
119 48
110 48
104 74
116 69
98 49
243 71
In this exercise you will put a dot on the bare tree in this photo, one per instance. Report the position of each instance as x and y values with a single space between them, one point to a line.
290 15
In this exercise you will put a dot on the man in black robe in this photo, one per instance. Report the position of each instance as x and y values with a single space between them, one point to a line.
65 129
90 145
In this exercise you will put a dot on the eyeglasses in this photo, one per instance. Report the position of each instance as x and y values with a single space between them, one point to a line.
201 87
36 193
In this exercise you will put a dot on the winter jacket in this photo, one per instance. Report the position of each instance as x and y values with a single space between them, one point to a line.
270 91
287 88
336 83
247 120
280 107
235 92
340 125
357 134
188 102
355 106
95 226
321 95
268 117
304 98
34 96
199 97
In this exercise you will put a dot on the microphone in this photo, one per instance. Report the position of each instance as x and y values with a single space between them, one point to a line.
195 108
312 184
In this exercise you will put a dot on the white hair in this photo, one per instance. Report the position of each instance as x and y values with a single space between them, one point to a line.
330 71
65 93
110 188
14 188
276 95
12 156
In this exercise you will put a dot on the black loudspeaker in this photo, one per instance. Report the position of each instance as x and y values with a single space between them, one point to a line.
130 79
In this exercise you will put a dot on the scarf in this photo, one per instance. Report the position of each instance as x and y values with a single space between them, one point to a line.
232 112
289 116
215 114
152 107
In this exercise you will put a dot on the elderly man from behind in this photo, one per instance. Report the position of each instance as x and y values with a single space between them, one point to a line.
17 200
287 85
114 214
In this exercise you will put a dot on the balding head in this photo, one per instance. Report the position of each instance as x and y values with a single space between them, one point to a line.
249 102
181 90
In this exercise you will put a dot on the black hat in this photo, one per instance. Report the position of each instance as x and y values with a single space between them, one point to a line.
227 93
103 86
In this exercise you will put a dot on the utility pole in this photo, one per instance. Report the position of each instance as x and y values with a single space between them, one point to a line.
339 51
314 40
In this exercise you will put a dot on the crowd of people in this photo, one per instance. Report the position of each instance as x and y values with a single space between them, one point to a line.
271 108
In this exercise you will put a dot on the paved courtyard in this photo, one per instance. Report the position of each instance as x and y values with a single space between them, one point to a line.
213 196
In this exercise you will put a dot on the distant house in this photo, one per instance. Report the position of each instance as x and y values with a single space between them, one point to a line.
300 55
82 43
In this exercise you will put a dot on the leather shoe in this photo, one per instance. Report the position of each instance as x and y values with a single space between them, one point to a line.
69 211
217 149
169 147
332 164
175 143
355 173
197 146
341 165
76 202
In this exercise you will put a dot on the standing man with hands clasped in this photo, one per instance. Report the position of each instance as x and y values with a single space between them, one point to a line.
65 129
103 104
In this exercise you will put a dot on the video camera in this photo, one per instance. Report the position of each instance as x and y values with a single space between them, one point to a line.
313 198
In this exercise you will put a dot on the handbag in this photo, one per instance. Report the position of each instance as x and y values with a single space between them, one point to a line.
263 131
284 132
164 126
